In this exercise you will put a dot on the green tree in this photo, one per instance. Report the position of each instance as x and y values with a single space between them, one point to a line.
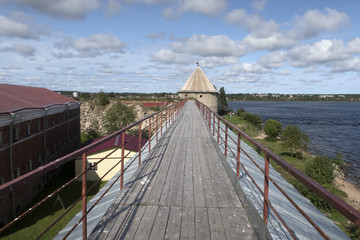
118 116
272 129
223 105
101 99
294 139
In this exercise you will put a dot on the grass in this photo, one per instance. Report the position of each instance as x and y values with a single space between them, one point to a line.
276 147
36 222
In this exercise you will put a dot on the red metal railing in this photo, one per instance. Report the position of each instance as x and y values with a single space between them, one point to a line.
344 208
154 123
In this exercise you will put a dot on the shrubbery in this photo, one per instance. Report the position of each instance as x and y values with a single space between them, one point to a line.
254 119
272 129
118 116
295 139
102 99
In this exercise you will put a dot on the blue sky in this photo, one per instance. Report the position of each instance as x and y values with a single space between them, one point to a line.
259 46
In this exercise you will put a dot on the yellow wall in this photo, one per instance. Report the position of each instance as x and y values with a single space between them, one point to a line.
104 166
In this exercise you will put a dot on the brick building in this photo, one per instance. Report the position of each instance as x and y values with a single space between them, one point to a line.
36 127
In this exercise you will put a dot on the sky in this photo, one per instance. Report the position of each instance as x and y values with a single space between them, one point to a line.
258 46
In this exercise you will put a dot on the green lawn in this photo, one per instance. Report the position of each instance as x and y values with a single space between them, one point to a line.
36 222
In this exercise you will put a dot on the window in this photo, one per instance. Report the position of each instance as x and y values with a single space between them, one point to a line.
54 148
17 173
1 139
2 181
92 166
47 153
53 120
29 165
200 96
38 126
16 133
39 159
28 130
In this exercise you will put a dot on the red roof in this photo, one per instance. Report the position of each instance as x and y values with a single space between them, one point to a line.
151 104
13 97
131 143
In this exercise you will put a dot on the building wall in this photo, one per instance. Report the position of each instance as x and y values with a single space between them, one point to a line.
32 140
209 99
105 165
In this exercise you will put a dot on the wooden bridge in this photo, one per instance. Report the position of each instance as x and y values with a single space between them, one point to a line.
181 191
189 184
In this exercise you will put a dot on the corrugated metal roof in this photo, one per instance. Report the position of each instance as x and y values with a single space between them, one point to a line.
131 143
198 82
13 97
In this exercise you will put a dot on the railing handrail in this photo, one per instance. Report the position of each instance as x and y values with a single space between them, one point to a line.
9 186
344 208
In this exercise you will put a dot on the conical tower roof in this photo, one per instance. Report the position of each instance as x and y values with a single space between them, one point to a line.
198 82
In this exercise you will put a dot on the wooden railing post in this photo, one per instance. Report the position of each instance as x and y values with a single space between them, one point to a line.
83 192
266 189
238 156
149 134
226 138
139 143
122 160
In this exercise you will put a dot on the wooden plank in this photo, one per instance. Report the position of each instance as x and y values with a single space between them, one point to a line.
215 223
242 220
210 196
202 230
174 223
188 194
199 196
188 223
177 191
144 229
160 223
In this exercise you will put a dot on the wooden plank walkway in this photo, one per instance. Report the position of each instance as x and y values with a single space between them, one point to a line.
180 192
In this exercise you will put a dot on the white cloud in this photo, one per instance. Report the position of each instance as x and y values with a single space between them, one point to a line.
248 68
202 45
313 22
254 23
113 7
321 52
354 46
214 61
258 5
209 8
144 1
12 28
95 45
348 65
71 9
21 49
272 60
169 57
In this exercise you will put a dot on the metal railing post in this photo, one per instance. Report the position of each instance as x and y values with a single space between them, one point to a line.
266 189
139 143
166 119
157 128
238 156
218 132
122 160
214 125
226 138
149 134
161 123
83 192
209 120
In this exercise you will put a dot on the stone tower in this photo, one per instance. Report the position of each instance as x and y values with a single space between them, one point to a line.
200 88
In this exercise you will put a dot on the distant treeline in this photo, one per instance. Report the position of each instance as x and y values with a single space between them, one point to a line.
292 97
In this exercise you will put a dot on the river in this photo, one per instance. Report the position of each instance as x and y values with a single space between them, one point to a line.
332 126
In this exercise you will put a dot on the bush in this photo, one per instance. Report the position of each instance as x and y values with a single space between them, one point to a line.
102 99
254 119
118 116
321 170
272 129
240 112
294 138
